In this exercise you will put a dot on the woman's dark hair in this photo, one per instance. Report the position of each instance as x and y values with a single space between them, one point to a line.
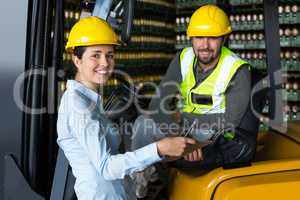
71 71
78 51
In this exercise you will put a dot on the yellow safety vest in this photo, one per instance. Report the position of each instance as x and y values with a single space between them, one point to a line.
213 87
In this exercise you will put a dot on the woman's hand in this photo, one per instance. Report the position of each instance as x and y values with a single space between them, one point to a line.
175 146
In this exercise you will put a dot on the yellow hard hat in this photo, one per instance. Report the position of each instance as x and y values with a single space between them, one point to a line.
91 31
209 21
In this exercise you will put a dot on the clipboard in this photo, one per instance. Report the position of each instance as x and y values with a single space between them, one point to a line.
210 137
193 133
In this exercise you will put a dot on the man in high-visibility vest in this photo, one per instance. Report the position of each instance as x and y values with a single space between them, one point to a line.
214 84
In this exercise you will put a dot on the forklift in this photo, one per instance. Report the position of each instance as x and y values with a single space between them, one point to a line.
31 165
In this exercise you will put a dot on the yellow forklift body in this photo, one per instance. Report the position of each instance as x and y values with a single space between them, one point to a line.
275 174
275 186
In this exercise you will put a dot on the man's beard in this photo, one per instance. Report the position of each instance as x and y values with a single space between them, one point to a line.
205 60
210 58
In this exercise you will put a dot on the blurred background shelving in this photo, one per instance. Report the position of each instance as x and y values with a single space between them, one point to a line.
159 30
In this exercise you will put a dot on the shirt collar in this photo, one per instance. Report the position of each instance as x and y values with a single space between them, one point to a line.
91 94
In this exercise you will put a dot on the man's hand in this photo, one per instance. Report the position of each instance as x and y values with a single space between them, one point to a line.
196 155
195 151
175 147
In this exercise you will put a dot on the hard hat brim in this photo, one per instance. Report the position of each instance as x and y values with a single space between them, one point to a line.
70 48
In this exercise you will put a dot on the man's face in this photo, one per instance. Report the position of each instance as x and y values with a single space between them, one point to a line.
207 49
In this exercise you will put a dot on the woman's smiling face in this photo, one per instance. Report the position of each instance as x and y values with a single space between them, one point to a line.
96 65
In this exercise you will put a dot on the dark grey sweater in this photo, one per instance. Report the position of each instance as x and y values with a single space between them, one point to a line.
237 97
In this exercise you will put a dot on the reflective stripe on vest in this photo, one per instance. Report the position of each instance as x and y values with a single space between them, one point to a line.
214 86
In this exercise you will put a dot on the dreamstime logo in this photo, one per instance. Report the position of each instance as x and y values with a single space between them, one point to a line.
163 95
